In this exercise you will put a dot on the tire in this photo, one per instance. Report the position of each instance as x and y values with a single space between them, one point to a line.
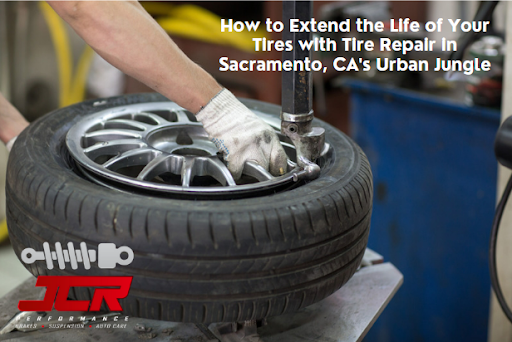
195 261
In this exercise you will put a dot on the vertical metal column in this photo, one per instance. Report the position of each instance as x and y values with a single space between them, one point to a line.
297 86
297 91
5 90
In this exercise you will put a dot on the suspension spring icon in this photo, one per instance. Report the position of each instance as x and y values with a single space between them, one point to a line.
108 255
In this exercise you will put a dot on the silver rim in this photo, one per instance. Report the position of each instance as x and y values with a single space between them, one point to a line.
159 146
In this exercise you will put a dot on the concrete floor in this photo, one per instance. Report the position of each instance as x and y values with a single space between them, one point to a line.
12 272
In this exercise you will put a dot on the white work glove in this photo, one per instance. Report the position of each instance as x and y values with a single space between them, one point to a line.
241 136
10 143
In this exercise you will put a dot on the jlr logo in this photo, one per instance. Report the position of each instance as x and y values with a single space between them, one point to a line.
52 283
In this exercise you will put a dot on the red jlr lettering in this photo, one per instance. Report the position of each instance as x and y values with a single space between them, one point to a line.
117 288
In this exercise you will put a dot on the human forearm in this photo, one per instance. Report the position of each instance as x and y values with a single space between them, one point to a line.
126 36
11 121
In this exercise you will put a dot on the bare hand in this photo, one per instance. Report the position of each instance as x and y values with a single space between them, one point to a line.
11 121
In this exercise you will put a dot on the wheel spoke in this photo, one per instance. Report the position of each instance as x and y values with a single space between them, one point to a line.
182 116
156 118
187 171
257 171
162 147
126 124
110 134
113 147
161 164
141 156
220 172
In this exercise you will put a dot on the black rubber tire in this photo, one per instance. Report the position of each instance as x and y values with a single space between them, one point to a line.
195 261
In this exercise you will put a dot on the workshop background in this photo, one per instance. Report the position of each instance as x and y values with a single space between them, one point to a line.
429 139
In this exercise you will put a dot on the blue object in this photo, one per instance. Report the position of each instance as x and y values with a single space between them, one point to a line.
434 196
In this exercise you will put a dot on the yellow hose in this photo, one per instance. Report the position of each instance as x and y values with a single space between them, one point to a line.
157 8
188 21
80 79
195 22
3 231
60 40
72 89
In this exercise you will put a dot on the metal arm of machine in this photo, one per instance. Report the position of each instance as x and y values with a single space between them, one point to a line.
297 91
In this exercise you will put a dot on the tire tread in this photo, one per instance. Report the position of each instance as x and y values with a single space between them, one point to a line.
301 248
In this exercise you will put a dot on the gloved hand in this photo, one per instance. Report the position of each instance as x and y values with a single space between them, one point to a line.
241 136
